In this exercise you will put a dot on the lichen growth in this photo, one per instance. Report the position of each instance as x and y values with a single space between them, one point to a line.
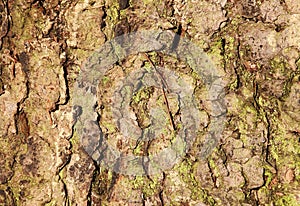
186 171
147 186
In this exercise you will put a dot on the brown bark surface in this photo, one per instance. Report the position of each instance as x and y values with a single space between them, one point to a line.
254 45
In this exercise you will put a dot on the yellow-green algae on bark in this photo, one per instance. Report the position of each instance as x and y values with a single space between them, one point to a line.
254 43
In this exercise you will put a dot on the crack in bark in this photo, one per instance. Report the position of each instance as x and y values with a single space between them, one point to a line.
160 194
5 20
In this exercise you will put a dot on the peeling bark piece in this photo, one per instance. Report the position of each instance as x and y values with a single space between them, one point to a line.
241 155
78 172
253 172
259 40
9 102
235 178
270 10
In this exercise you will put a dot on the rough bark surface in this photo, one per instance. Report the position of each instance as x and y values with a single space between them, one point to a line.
254 44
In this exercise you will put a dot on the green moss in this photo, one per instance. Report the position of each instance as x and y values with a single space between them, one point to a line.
289 200
111 128
236 21
216 50
113 17
139 103
75 140
113 13
146 2
213 166
268 175
195 75
233 85
148 187
143 94
138 149
277 65
185 169
109 176
280 67
230 46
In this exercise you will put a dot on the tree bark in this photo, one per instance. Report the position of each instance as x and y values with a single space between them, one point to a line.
50 48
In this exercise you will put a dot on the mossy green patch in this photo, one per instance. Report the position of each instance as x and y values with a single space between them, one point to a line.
147 186
288 199
185 169
111 128
146 2
74 139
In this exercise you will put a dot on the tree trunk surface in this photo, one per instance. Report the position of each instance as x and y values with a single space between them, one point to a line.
203 108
